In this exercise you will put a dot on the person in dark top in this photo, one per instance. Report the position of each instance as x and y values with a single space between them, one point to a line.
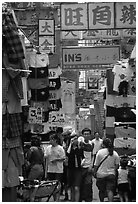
75 156
35 156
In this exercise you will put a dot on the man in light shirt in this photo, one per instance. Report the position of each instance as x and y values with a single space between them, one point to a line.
86 193
97 142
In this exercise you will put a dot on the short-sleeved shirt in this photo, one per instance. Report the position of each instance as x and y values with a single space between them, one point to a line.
108 165
97 145
55 153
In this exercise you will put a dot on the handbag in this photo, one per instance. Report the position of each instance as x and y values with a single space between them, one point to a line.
95 171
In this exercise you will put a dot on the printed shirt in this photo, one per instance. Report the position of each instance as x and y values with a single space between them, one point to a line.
55 153
97 145
86 162
122 73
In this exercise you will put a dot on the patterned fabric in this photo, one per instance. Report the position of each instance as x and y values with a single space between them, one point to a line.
11 142
9 30
11 125
5 86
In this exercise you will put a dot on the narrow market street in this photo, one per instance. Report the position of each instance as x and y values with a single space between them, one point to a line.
68 101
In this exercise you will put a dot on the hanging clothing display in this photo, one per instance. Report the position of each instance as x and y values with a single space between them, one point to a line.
122 72
123 114
124 131
55 94
12 94
38 81
55 105
54 73
123 142
54 83
68 97
40 94
110 82
12 38
45 105
119 101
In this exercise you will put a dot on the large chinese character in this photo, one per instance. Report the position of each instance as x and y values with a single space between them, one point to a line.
128 14
69 17
46 27
46 45
70 32
102 15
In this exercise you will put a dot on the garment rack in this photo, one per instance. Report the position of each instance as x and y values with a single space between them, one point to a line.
21 70
124 123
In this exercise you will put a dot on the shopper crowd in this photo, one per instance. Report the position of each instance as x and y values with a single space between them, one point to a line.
75 161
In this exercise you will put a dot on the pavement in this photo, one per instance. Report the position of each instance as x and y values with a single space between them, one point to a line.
95 195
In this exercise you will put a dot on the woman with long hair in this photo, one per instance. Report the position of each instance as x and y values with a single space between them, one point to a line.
105 166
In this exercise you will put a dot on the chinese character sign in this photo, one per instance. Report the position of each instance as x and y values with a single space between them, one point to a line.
46 27
46 44
126 15
101 15
74 17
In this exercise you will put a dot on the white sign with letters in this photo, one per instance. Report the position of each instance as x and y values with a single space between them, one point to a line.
85 57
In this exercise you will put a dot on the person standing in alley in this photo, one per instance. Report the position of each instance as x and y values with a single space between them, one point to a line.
123 181
86 192
97 142
35 157
55 156
105 167
75 156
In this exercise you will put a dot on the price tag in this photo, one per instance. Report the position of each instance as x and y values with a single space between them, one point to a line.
35 115
56 118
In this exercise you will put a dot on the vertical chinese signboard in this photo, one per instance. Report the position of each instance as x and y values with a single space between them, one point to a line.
101 15
74 17
126 14
47 35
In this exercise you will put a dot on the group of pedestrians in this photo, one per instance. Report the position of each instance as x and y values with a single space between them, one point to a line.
74 161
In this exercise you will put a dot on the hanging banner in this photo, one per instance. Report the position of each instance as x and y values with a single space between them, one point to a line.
85 57
35 115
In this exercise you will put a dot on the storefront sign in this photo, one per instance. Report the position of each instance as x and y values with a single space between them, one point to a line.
74 16
85 57
109 15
